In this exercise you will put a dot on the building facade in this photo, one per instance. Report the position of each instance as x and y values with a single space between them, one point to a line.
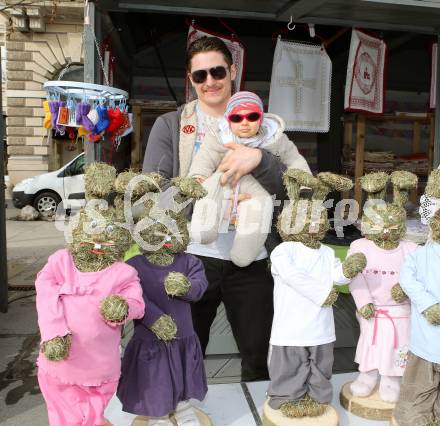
40 41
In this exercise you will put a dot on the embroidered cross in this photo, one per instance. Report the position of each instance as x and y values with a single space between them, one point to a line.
298 83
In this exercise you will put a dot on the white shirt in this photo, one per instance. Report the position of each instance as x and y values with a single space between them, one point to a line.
419 280
220 248
303 278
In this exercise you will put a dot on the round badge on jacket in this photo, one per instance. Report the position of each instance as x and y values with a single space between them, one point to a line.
188 129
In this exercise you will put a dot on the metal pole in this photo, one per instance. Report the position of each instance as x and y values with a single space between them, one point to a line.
89 64
436 156
3 254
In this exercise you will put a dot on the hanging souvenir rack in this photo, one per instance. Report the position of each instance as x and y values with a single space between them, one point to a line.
85 91
95 110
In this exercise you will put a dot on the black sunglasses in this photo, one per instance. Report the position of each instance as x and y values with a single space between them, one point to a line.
238 118
217 73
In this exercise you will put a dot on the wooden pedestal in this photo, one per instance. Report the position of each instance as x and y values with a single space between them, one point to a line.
273 417
371 407
203 419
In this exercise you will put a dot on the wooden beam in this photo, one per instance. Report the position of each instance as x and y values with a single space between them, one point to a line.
418 3
136 142
198 11
342 22
413 195
436 159
431 142
359 165
416 137
346 151
299 9
334 37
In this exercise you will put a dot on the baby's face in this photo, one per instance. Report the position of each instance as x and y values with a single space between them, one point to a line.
245 128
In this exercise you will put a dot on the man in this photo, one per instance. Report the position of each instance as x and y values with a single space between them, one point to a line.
173 141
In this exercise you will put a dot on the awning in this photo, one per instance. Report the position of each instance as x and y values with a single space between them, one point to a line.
420 16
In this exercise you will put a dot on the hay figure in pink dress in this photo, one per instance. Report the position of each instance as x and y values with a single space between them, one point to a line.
84 294
383 308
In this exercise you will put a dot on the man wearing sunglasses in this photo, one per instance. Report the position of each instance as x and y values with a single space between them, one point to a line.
175 138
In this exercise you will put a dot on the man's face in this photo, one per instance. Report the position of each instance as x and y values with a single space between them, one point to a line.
212 92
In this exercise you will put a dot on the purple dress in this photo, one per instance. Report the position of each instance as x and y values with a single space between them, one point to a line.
156 375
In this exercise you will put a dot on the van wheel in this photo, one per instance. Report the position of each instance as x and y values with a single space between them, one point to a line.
46 203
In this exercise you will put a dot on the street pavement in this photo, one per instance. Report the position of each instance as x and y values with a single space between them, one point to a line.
29 244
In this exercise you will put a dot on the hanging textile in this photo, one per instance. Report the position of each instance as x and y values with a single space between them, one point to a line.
364 86
238 57
300 86
433 91
109 60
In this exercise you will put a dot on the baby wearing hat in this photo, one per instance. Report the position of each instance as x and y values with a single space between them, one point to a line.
244 123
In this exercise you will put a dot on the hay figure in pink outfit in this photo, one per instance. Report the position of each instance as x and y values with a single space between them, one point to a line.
383 308
84 295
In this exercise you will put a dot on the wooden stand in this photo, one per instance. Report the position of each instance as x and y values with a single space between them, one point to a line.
371 407
203 419
149 110
273 417
360 120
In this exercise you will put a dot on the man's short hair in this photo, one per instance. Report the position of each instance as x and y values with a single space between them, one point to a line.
207 44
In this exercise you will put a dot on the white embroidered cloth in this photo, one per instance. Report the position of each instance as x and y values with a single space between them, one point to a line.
300 86
428 206
364 86
433 91
238 57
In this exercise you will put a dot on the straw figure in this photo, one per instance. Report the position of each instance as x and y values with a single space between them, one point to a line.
418 403
383 308
163 365
85 293
304 272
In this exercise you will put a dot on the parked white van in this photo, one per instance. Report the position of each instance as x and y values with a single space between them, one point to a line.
46 191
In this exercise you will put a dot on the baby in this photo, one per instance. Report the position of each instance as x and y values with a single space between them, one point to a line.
244 123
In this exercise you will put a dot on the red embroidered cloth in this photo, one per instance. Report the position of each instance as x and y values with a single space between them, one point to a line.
364 87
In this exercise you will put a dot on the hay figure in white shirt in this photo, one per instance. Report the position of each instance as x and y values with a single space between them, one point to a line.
244 123
304 271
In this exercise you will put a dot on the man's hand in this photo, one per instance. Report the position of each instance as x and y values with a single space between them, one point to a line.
240 161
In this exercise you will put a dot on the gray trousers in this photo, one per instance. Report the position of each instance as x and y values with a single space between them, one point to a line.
295 371
419 399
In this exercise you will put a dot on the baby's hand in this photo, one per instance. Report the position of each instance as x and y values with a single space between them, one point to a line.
200 179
